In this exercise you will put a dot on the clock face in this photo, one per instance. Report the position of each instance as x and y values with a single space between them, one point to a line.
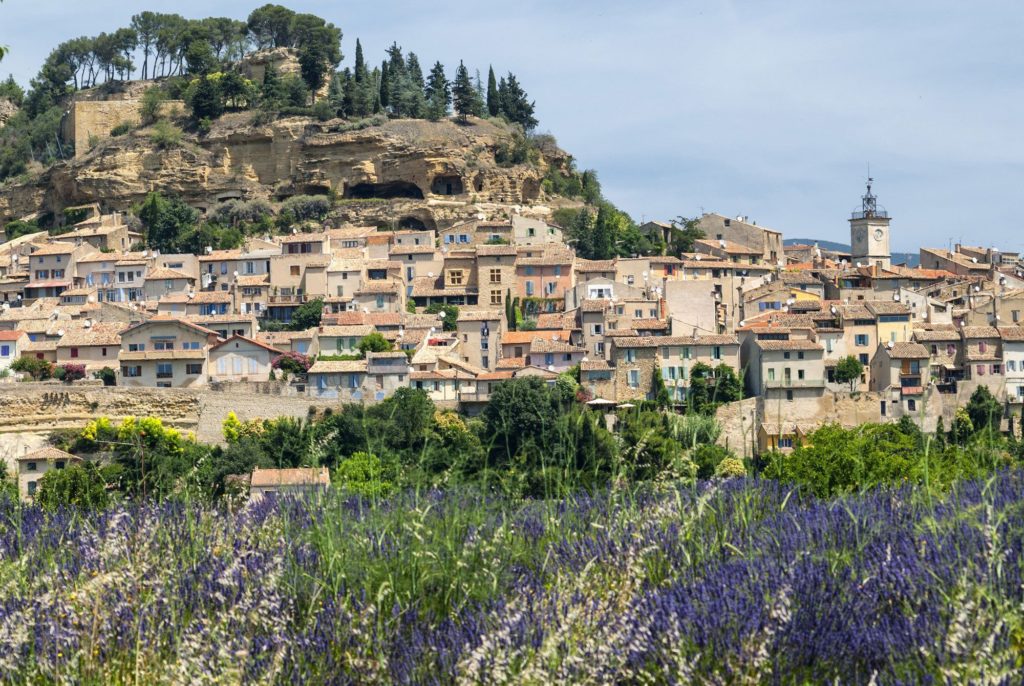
878 234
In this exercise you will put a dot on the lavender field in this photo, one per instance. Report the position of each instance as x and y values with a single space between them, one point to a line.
729 583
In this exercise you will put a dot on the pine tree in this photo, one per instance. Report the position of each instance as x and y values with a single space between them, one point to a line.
438 93
413 101
363 96
463 93
514 104
493 106
272 90
481 95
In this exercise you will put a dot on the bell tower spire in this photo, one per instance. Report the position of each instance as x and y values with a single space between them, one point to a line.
869 232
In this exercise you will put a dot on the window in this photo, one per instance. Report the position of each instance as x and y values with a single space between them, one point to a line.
982 347
716 352
528 270
74 352
786 356
1011 365
32 485
5 351
863 357
163 345
194 368
861 339
558 272
771 374
997 369
131 372
549 358
950 349
911 404
785 442
495 297
634 378
630 355
799 356
164 370
800 374
380 302
529 288
1015 316
638 314
597 329
455 277
686 353
294 270
599 348
30 467
789 395
484 362
981 370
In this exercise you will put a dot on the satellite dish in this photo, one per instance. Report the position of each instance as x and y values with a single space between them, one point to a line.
743 322
235 273
890 345
145 253
698 258
896 297
60 332
209 250
430 274
91 298
551 367
974 260
834 310
191 295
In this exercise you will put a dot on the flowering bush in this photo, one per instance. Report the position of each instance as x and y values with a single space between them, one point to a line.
734 581
71 372
293 363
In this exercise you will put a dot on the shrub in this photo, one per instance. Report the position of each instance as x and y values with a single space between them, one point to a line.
364 474
708 457
122 128
152 101
71 372
730 467
107 375
39 370
302 208
373 343
292 362
165 135
451 315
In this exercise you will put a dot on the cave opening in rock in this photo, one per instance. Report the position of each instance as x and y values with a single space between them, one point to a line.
384 191
412 224
447 185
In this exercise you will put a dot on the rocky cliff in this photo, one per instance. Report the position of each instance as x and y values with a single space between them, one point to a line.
418 172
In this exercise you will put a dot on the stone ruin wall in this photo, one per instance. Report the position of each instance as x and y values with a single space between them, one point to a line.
94 119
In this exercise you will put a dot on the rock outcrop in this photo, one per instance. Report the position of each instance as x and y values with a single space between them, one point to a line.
423 173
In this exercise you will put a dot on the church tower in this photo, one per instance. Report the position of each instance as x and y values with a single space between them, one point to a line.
869 233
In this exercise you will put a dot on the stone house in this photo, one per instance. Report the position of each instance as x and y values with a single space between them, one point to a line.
241 359
12 345
103 232
634 364
981 355
743 232
165 352
417 260
780 368
196 304
344 380
339 339
944 353
495 274
900 371
596 378
1013 363
546 273
301 481
677 355
96 270
129 278
379 296
480 333
93 344
592 319
589 270
516 344
385 373
51 269
893 320
160 282
553 354
344 276
729 251
32 466
252 294
526 231
227 325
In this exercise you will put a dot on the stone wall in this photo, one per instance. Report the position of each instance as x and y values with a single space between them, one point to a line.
94 119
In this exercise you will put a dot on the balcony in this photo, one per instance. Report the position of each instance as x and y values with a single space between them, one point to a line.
165 375
287 299
787 384
910 384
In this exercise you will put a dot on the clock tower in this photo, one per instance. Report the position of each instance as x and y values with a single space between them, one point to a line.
869 233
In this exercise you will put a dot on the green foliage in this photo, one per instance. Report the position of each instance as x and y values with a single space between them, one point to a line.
373 343
292 363
39 370
835 460
513 103
82 486
153 99
984 410
70 372
659 392
165 135
465 96
451 315
167 221
122 128
730 467
12 92
707 457
308 314
32 136
364 474
684 233
713 386
303 208
18 228
848 370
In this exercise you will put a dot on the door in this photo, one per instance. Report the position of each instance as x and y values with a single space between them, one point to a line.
788 376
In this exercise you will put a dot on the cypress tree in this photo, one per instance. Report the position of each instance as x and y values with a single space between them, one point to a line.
514 103
493 106
463 93
360 68
438 93
385 86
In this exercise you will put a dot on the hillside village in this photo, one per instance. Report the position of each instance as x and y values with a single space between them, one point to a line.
782 319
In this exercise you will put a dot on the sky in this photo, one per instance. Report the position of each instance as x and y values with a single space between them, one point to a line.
776 110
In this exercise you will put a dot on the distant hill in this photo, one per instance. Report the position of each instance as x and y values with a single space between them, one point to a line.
908 258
